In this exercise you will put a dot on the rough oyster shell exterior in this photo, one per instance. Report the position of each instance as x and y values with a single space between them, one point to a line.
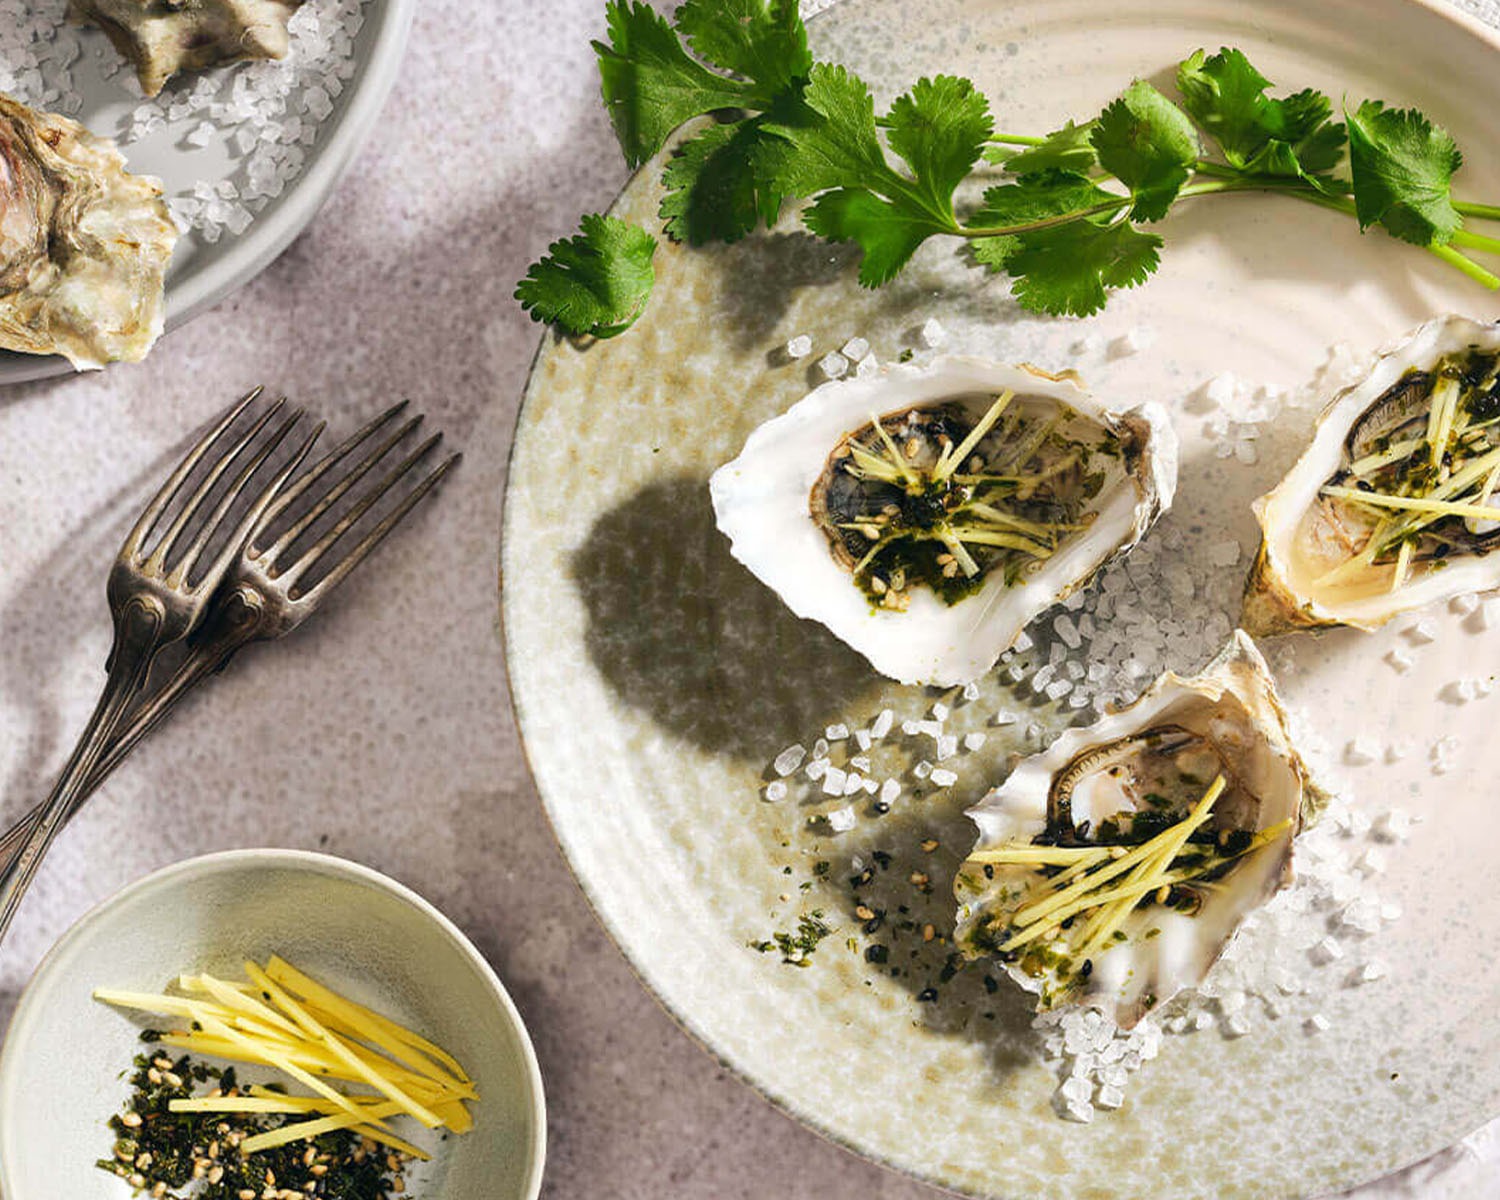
162 37
83 245
1234 704
761 502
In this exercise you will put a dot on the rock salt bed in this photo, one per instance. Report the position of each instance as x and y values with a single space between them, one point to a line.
268 113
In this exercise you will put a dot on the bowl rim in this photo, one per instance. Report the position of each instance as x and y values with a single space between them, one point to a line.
317 862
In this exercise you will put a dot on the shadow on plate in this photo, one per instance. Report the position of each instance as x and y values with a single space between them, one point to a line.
683 631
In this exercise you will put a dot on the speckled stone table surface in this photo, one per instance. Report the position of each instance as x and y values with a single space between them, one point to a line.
384 734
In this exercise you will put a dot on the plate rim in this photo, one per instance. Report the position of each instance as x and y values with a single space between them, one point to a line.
271 234
1446 10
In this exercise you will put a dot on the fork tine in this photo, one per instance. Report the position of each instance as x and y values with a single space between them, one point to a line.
184 565
373 538
174 532
169 490
327 463
310 559
359 471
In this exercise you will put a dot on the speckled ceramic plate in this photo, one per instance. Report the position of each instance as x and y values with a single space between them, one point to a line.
655 678
202 274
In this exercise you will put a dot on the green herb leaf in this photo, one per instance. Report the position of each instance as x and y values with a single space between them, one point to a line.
940 128
1070 148
1227 97
713 191
652 85
1041 196
1147 142
823 137
1072 268
594 283
1402 165
763 40
888 233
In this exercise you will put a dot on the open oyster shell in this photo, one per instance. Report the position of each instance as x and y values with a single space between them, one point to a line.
163 37
83 245
1330 558
1112 791
855 526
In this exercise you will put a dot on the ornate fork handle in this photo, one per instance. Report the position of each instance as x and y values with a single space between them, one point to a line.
138 638
236 622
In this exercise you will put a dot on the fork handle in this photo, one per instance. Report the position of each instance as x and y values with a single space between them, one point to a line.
238 627
137 638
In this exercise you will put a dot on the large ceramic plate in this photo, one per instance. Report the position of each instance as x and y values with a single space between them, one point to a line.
655 679
203 273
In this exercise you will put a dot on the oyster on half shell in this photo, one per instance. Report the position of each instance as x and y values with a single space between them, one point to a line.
1113 868
163 37
925 515
1396 503
83 245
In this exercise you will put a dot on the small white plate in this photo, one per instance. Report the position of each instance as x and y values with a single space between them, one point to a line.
367 936
202 274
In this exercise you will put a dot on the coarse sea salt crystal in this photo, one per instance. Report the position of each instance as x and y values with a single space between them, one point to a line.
947 746
1326 951
789 759
1465 604
1371 862
816 769
971 691
870 786
1004 717
922 770
1360 752
933 334
855 349
833 364
776 790
1110 1096
799 346
1396 751
975 740
881 725
1400 660
889 791
820 748
942 777
1457 691
841 820
1393 825
863 739
1318 1023
911 728
1422 632
1132 341
940 711
836 733
860 762
853 782
833 781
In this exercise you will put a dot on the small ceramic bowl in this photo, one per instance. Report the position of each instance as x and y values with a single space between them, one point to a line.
362 934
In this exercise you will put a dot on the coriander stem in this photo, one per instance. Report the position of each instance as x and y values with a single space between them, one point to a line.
1489 211
1467 265
1016 139
1476 241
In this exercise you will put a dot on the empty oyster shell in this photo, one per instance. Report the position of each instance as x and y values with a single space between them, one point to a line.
163 37
926 515
1113 868
1396 503
83 245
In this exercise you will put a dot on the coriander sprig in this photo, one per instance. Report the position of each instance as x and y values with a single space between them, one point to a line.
1069 226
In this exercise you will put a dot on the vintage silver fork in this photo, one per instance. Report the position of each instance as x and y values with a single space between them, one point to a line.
155 600
259 599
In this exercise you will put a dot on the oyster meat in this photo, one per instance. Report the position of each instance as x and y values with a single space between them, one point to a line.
83 245
926 515
163 37
1113 868
1396 503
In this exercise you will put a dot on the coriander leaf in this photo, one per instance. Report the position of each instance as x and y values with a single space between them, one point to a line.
822 137
763 40
1071 268
1402 166
995 252
888 233
713 192
651 84
1070 148
1043 195
1147 142
1226 96
940 128
596 282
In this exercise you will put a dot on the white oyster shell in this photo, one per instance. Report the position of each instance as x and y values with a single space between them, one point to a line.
761 501
83 245
1233 704
163 37
1280 595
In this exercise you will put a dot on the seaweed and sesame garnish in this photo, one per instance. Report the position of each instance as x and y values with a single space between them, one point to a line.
1419 475
797 948
196 1156
930 497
